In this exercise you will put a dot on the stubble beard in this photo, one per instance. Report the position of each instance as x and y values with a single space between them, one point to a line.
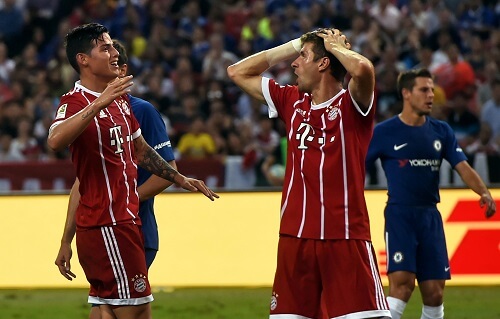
424 112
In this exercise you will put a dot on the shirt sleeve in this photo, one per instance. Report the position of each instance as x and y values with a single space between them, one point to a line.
452 153
154 131
279 97
69 105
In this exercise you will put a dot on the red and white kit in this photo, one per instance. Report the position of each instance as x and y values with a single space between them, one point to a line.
323 199
104 160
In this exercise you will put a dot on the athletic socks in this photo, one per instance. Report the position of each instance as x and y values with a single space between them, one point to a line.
432 312
397 306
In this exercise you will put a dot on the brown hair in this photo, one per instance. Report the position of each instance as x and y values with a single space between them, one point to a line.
337 70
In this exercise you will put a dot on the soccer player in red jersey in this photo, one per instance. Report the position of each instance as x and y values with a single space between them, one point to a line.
325 250
95 121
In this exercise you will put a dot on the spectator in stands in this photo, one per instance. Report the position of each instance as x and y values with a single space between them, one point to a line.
464 123
289 18
357 34
196 143
217 59
424 57
439 54
445 33
485 85
273 165
200 45
7 64
456 75
266 140
485 143
387 96
23 147
158 25
477 16
191 18
234 146
490 112
387 15
419 15
258 23
476 54
11 22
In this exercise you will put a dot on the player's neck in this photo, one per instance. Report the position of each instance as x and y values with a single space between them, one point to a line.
93 83
325 91
412 119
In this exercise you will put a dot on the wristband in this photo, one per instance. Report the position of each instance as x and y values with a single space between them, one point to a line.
297 44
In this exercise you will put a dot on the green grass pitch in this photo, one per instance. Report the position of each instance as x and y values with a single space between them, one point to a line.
468 302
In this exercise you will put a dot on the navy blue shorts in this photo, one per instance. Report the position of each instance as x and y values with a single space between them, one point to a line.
415 242
150 256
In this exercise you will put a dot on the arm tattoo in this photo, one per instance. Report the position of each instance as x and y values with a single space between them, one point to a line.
89 113
155 164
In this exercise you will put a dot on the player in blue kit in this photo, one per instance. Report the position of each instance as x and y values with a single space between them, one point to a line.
154 132
411 147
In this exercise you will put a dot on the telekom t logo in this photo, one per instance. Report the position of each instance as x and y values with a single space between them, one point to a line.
115 134
304 132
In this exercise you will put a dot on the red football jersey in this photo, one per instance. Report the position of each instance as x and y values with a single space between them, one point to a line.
323 192
104 159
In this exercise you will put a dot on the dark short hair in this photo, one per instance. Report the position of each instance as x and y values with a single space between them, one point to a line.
82 39
406 79
123 57
337 70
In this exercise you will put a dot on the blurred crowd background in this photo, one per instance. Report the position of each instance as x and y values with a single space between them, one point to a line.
179 50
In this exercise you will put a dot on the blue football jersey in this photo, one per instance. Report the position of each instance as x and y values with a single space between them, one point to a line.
411 158
154 132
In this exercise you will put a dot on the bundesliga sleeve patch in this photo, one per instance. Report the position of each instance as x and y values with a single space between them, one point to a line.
61 111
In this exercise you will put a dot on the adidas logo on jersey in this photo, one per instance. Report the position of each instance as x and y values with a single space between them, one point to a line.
102 114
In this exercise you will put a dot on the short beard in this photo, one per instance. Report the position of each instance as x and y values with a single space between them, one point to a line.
422 113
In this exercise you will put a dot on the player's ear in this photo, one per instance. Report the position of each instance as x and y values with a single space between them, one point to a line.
405 93
123 70
82 59
324 63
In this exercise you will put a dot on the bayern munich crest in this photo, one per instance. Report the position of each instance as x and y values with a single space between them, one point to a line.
274 301
139 283
123 104
332 114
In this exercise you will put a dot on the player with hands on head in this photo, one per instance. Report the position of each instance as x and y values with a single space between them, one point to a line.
411 146
154 131
324 230
95 120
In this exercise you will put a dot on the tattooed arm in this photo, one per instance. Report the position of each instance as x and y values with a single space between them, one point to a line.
151 161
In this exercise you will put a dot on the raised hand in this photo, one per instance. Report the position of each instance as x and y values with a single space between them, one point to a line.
333 38
115 88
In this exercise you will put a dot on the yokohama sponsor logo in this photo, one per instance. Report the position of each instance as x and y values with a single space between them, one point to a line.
162 145
424 162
